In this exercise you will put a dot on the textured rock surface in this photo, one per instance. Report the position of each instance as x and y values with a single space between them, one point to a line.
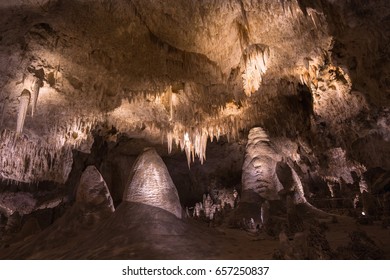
178 70
258 171
24 203
135 231
92 190
108 78
93 205
263 171
151 184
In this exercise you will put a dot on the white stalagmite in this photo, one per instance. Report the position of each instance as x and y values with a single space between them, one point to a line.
258 171
150 183
207 204
23 106
35 94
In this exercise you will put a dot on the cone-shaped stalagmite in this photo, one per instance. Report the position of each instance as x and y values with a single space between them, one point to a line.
92 190
151 184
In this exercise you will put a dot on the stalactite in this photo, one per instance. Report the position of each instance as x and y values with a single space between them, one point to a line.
255 65
23 106
30 160
34 95
170 94
187 148
169 140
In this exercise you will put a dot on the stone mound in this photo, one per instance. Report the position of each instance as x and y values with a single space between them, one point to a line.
151 184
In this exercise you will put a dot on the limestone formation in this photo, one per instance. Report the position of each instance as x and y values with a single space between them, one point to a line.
258 171
24 102
265 213
263 171
35 94
197 210
208 205
290 181
284 103
199 72
151 184
93 191
255 61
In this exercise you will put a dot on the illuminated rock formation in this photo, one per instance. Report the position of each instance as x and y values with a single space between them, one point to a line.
24 102
255 60
93 192
258 171
35 94
151 184
307 80
264 172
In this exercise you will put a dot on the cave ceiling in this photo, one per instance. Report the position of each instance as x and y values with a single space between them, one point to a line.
184 72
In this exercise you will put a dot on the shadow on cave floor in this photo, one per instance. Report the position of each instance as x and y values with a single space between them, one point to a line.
139 231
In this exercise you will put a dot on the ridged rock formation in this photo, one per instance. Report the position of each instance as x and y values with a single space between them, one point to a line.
265 171
258 170
290 181
93 191
151 184
95 82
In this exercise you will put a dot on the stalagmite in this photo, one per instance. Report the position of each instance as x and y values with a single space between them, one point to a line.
207 204
34 95
258 171
93 191
23 106
150 183
197 210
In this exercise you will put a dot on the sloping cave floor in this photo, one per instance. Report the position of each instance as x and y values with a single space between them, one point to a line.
138 231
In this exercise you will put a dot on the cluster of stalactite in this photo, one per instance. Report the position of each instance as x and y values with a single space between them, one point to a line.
24 160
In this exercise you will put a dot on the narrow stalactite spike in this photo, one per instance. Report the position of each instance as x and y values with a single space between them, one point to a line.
170 140
23 106
34 95
188 155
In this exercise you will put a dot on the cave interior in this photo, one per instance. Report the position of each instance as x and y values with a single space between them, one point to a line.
194 129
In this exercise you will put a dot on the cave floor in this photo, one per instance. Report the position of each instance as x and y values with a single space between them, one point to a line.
138 231
240 244
338 233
